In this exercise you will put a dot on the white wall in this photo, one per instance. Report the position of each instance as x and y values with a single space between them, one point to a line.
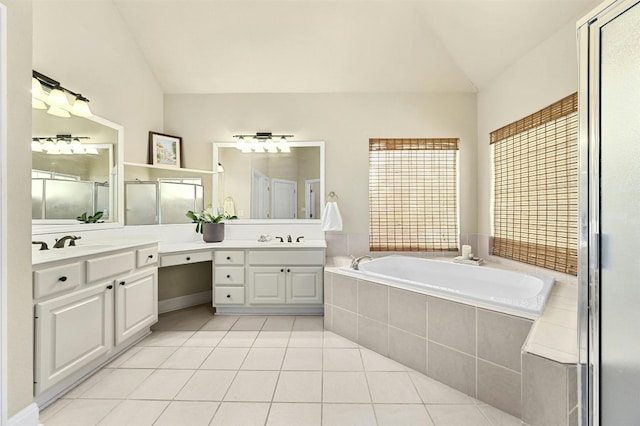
544 75
87 48
20 314
345 122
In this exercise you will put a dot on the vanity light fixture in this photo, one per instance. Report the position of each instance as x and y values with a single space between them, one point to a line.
61 144
263 142
47 91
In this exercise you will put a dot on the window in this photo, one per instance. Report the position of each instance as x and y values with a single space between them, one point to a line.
413 203
535 213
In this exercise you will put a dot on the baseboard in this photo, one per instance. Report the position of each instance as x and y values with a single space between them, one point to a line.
176 303
28 416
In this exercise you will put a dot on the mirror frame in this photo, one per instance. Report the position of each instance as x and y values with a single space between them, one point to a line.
292 144
49 226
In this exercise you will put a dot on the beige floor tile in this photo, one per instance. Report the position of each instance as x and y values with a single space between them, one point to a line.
117 385
220 322
241 414
88 384
392 387
206 386
184 319
135 413
272 339
333 340
188 358
249 323
306 339
457 415
47 413
498 417
205 338
166 338
309 323
348 414
238 339
149 357
402 414
299 386
252 386
341 360
123 357
187 413
434 392
283 414
375 362
344 387
264 359
303 359
80 412
162 384
279 323
225 359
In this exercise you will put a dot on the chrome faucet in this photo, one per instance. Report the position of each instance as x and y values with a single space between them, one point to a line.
72 241
355 262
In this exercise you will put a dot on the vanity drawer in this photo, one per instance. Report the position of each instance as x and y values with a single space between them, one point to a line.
186 257
147 256
229 257
229 275
286 257
54 280
108 266
229 295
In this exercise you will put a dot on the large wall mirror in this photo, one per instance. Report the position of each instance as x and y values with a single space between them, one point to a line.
266 186
76 169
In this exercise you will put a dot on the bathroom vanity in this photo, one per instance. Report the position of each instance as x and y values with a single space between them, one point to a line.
91 302
252 277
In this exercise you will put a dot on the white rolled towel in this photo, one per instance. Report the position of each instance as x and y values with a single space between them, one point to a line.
331 218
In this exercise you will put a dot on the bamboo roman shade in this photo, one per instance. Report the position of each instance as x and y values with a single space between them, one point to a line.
535 210
413 203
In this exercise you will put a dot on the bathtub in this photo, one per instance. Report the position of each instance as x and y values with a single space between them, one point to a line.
506 291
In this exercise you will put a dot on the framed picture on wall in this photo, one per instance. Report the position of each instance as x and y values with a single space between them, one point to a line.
165 150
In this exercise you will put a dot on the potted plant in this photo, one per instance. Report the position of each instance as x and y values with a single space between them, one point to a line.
211 227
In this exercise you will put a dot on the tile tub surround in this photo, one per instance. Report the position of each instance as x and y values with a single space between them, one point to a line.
474 350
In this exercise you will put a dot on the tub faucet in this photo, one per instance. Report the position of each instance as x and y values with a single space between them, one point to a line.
72 241
355 262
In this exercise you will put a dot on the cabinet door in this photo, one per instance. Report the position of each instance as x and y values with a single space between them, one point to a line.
136 303
70 332
304 284
267 285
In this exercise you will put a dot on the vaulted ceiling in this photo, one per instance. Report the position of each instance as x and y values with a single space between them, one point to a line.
308 46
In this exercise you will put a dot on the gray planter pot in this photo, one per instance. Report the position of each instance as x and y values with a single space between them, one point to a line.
213 232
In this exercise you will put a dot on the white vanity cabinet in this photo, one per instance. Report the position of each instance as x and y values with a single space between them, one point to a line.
269 280
87 309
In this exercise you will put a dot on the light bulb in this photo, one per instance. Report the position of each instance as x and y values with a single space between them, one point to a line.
259 147
38 104
283 145
81 107
36 89
63 147
36 146
58 112
58 98
49 145
246 148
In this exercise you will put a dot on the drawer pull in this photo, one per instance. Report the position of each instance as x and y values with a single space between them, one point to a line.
123 282
109 287
282 270
150 256
288 270
62 278
228 257
228 276
188 258
228 296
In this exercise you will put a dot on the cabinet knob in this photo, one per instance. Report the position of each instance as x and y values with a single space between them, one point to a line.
288 270
62 278
122 282
109 287
282 270
150 256
228 276
228 296
228 257
188 258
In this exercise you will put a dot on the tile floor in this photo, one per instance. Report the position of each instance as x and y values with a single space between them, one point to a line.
198 369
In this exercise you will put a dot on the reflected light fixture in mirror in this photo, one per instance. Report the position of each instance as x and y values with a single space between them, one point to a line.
263 142
56 98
